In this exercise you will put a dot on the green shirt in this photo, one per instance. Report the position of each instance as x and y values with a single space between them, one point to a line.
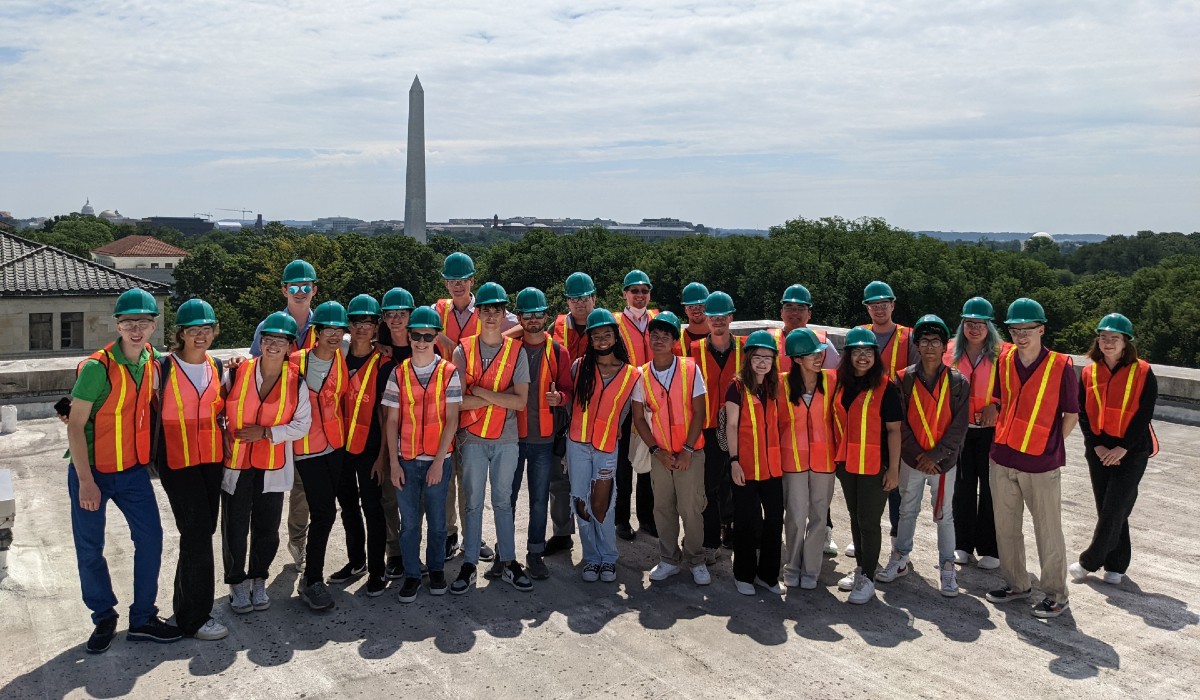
92 385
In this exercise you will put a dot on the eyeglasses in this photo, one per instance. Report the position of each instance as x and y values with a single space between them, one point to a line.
196 331
363 322
422 337
640 291
978 325
135 324
762 358
929 342
394 315
1025 330
331 331
274 341
533 315
878 304
862 352
299 288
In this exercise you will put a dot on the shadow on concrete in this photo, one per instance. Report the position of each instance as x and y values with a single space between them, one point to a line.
1155 609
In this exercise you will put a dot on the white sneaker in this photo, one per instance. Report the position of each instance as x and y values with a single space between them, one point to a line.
212 630
239 598
949 580
897 566
700 575
863 591
710 555
808 583
771 587
791 580
846 583
258 595
831 548
850 551
1077 572
988 563
662 571
743 587
961 557
296 549
1113 577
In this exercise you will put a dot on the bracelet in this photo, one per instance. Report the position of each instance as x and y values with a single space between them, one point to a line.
733 458
653 450
689 448
266 433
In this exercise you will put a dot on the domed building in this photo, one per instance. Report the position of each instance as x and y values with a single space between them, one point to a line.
87 209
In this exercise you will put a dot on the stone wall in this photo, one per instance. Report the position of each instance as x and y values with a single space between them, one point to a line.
99 326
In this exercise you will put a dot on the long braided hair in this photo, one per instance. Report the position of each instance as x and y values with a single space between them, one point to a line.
585 377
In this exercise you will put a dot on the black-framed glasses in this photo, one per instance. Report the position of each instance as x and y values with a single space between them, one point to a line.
299 288
422 337
929 342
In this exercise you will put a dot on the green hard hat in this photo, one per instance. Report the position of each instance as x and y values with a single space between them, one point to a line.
398 299
135 301
877 291
861 337
580 284
928 322
600 317
694 293
718 304
1116 323
636 277
281 323
363 305
299 271
666 318
529 300
458 266
195 312
330 313
491 293
1025 310
796 294
978 307
761 339
801 342
425 317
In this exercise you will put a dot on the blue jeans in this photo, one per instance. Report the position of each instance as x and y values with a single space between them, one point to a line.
483 462
131 491
912 489
587 465
541 460
410 499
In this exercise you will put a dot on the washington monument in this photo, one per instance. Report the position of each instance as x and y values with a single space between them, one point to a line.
414 181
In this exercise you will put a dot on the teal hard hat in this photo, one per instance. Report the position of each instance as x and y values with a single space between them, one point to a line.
636 277
666 318
491 293
878 291
425 317
600 317
281 323
332 314
363 305
299 271
1025 310
135 301
801 342
195 312
530 300
930 322
398 299
580 284
761 339
458 266
796 294
980 308
694 293
1116 323
861 337
718 304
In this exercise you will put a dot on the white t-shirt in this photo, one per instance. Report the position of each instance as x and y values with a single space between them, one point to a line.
200 375
664 377
391 395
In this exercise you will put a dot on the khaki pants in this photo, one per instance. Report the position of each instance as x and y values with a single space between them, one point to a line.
297 513
679 495
1012 492
806 497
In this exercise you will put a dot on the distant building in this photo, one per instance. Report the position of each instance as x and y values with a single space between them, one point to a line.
87 209
144 256
336 224
186 225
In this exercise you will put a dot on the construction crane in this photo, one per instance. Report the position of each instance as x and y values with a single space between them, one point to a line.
243 212
200 213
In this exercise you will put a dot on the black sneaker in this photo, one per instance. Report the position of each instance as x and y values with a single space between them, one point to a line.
557 544
102 636
316 594
155 630
486 553
437 583
514 574
1049 608
395 569
495 571
536 567
451 547
626 533
348 572
466 577
1006 594
408 591
376 585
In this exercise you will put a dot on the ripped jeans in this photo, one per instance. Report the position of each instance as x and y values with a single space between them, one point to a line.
586 465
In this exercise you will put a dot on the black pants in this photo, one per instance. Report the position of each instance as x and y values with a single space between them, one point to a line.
1115 489
757 530
359 497
865 499
625 491
321 475
249 512
893 506
974 523
717 488
195 496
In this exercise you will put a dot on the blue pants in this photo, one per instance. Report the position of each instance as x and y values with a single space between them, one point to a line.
541 461
587 465
485 462
414 496
131 491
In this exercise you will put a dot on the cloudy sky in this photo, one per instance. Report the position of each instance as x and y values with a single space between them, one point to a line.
1058 115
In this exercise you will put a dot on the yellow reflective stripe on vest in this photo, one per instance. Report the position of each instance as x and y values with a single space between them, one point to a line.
612 414
187 454
655 409
437 400
749 406
406 370
792 427
506 350
283 382
1037 405
241 404
1099 401
118 423
941 404
862 432
362 390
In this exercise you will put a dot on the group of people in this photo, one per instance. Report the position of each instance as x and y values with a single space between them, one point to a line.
404 417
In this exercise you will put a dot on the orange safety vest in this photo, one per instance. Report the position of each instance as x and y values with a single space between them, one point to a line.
806 430
758 437
1113 397
244 407
574 339
551 349
121 425
189 418
895 353
636 342
1029 411
310 340
419 406
671 408
859 430
598 423
783 363
488 423
328 428
453 331
981 376
716 377
358 404
928 417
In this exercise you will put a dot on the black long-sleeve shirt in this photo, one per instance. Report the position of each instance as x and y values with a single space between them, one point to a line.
1137 435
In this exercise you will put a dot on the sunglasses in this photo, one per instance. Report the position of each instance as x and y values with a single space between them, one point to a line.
422 337
533 315
299 288
638 290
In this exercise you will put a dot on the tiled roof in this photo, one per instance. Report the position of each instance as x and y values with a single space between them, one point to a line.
140 246
34 269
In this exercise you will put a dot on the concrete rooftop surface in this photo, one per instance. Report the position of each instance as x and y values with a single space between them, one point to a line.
629 639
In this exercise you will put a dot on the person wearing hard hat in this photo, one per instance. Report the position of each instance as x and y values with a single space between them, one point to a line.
693 298
974 351
299 286
1039 407
190 452
795 310
603 384
320 453
936 401
398 304
422 397
867 416
756 467
1118 393
495 376
549 396
668 413
266 411
633 326
719 357
108 432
